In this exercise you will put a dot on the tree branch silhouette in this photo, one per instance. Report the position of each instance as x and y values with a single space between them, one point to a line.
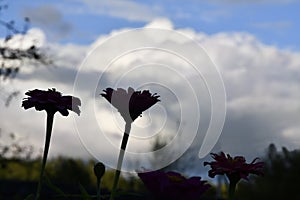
13 58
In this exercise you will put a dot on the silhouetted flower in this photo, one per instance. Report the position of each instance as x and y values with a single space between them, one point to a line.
172 185
51 101
130 103
234 168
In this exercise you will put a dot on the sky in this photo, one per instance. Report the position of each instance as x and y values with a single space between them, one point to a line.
252 44
273 22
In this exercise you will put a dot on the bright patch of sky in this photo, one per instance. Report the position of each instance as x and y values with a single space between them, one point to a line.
81 21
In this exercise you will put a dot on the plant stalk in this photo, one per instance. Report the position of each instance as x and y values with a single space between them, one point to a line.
120 159
98 189
50 117
232 186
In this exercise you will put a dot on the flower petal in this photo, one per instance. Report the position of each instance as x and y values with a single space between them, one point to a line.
51 101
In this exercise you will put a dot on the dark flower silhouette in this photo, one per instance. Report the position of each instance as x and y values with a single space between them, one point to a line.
51 101
130 103
233 167
172 185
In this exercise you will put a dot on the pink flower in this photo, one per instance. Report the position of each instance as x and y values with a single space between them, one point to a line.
51 101
172 185
234 168
130 103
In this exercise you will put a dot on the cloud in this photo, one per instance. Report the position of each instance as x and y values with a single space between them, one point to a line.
261 84
261 81
33 36
49 18
163 23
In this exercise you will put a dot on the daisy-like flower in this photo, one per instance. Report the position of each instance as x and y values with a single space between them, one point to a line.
130 103
234 168
51 101
172 185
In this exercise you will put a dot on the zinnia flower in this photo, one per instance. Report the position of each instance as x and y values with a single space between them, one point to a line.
233 167
173 186
51 101
130 103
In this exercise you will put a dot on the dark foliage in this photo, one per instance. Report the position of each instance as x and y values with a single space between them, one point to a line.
281 178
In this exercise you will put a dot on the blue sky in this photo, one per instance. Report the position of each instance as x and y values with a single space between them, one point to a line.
272 22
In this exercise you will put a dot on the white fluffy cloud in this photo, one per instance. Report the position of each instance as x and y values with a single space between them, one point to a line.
261 81
33 37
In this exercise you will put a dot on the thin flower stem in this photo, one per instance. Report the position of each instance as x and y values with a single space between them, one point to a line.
50 117
120 159
232 186
98 189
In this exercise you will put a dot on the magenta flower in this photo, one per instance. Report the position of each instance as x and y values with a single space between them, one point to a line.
172 185
233 167
51 101
130 103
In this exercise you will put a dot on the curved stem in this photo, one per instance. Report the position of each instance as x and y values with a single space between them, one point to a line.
120 159
50 117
